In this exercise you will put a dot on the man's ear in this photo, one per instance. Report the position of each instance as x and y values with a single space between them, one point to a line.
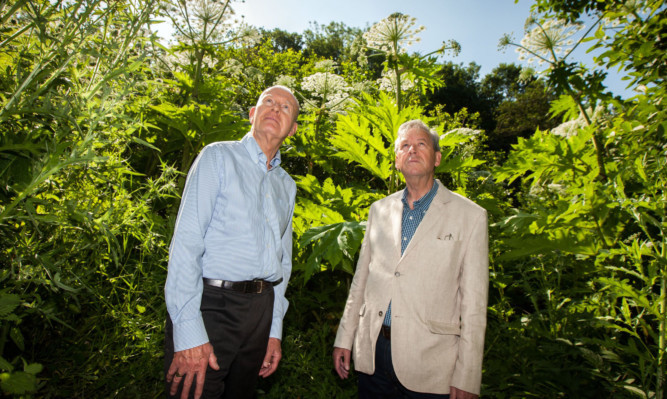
293 130
438 157
251 115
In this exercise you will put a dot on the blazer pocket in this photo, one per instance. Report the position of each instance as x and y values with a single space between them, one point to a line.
442 328
444 240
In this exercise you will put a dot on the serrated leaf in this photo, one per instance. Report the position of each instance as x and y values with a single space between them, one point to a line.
33 368
5 365
334 244
17 337
18 383
8 302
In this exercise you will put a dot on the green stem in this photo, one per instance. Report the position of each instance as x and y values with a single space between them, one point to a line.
599 148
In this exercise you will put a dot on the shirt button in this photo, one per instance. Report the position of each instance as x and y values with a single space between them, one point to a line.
410 217
397 274
405 238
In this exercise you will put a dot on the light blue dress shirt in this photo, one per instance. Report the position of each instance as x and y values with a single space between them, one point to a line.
234 223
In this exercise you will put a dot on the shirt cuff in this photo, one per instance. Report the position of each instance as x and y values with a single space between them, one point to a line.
189 334
276 328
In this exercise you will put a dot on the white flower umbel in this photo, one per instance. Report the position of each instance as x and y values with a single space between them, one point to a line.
393 34
325 66
286 80
572 127
211 22
388 81
326 90
547 42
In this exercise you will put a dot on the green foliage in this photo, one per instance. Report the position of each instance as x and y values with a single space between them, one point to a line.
310 328
320 221
99 125
593 188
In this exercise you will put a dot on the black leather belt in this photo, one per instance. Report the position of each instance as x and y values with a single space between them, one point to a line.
249 287
386 332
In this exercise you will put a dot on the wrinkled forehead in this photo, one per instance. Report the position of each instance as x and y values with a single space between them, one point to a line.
415 133
281 93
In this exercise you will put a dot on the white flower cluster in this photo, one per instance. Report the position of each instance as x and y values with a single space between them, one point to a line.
325 66
331 90
196 20
388 81
569 128
234 67
542 190
393 34
286 80
572 127
545 42
177 60
464 131
245 35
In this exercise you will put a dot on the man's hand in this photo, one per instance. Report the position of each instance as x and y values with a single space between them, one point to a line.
341 359
455 393
273 355
190 363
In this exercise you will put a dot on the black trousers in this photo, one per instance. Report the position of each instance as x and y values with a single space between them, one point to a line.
238 327
384 384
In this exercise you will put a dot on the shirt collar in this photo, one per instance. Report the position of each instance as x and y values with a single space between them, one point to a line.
256 153
424 201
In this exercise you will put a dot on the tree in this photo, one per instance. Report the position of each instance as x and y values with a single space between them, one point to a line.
521 115
461 89
283 41
333 41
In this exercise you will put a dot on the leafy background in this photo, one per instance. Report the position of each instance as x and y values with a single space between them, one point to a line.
100 121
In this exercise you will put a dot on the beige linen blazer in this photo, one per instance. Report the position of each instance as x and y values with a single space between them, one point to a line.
438 291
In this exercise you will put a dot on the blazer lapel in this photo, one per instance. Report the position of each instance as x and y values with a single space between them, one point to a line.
396 221
435 216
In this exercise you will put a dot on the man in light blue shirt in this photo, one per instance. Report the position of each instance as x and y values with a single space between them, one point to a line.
230 260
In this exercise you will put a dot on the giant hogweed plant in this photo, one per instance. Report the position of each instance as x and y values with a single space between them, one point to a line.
404 72
69 212
332 217
596 189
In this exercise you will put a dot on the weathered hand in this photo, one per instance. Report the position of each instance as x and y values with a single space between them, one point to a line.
455 393
188 364
341 359
272 358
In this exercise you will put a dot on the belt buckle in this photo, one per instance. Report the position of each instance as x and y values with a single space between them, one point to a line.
257 287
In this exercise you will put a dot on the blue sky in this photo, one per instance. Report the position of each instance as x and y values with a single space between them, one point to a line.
477 25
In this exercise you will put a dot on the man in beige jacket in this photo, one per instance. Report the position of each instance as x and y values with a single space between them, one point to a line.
415 317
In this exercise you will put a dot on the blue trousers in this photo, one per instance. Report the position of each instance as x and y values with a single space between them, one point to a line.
384 384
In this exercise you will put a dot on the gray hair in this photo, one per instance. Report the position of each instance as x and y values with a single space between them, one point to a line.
418 124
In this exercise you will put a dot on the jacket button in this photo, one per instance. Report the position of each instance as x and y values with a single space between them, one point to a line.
397 274
380 313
